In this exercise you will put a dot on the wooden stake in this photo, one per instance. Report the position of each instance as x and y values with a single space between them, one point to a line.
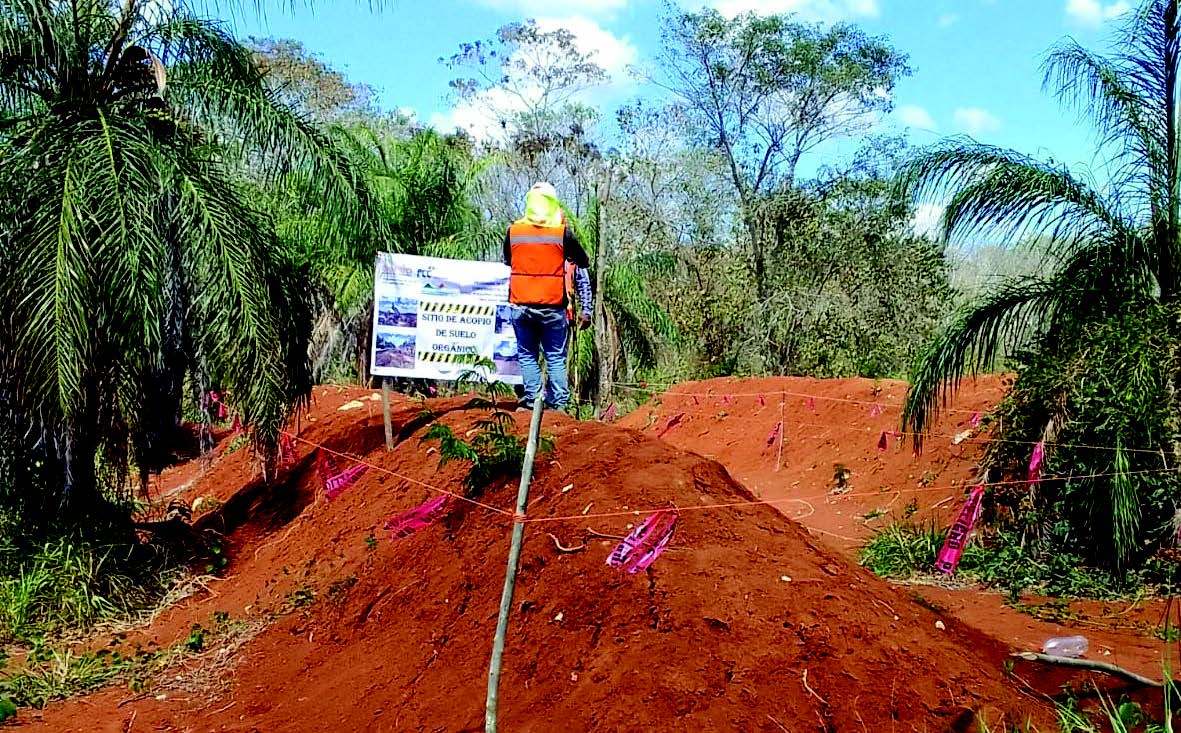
385 413
782 430
514 555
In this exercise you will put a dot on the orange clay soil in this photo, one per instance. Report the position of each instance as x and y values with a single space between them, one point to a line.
744 623
731 420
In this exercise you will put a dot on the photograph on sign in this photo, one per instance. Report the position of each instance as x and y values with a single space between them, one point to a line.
395 350
434 317
397 312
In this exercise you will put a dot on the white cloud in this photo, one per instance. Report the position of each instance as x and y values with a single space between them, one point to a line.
612 53
534 8
926 219
947 20
479 115
1094 13
827 11
913 116
976 121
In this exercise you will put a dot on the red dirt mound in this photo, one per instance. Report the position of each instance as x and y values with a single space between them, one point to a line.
831 423
830 427
742 624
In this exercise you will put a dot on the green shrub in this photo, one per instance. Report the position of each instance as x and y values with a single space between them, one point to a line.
494 450
67 585
1100 401
904 551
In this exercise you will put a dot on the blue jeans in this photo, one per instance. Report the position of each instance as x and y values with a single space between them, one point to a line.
544 329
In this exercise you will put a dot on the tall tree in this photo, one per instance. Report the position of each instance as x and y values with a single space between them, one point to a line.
422 188
764 90
523 88
630 326
1113 271
131 253
307 83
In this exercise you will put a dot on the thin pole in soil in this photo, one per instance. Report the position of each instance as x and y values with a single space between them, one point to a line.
385 413
514 556
782 430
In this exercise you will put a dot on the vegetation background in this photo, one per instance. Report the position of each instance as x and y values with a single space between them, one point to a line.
185 212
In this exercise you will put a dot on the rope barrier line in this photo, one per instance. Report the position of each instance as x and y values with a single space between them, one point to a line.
804 395
806 499
899 433
666 391
397 475
974 439
634 512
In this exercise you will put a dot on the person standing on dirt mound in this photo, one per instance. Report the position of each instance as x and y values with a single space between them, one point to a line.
536 248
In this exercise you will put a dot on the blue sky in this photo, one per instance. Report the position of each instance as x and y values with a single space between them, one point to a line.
977 62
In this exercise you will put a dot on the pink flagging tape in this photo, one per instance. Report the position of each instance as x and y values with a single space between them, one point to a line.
957 536
976 419
326 465
609 413
883 442
420 517
641 548
1035 463
336 482
341 482
774 434
811 404
875 410
673 421
288 454
727 400
237 426
215 399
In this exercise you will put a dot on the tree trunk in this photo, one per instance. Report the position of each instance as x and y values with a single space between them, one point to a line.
364 339
602 332
83 503
758 260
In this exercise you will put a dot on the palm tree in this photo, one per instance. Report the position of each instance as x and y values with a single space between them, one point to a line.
1113 242
133 260
629 323
421 188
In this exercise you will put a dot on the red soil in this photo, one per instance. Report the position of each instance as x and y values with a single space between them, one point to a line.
732 421
842 426
743 624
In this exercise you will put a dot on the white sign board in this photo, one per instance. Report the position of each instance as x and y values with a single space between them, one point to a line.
432 317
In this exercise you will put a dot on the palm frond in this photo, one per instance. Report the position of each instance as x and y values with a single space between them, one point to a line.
1120 101
971 342
627 292
1125 506
1001 196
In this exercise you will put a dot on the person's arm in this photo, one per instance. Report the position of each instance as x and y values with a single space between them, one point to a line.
573 249
507 256
583 287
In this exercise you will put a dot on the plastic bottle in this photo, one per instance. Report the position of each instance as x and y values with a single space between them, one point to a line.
1066 646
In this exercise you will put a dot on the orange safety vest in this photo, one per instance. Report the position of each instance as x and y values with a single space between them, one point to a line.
538 264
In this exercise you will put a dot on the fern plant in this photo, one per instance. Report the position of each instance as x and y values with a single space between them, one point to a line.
493 449
478 378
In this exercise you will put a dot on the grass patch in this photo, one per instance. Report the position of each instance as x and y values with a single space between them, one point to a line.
1117 716
65 586
49 673
907 551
